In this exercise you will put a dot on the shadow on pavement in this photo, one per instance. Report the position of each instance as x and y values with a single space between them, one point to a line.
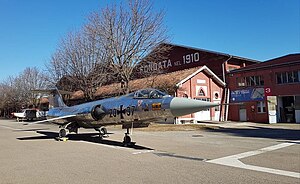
31 130
88 137
260 132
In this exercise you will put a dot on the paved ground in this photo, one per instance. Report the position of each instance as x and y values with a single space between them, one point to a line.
230 153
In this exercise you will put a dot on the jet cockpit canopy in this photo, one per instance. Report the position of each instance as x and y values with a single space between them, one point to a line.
149 93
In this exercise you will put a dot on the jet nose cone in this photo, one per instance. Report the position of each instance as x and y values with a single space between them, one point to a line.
184 106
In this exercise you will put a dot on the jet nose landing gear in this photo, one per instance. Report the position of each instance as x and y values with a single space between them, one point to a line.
127 139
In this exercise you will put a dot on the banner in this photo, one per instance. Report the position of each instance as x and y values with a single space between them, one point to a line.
248 94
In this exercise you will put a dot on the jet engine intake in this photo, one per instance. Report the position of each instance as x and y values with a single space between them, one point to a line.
97 112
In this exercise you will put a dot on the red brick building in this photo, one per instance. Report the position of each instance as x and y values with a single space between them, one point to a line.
219 64
186 72
203 85
192 73
267 91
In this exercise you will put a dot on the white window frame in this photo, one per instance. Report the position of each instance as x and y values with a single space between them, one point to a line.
261 107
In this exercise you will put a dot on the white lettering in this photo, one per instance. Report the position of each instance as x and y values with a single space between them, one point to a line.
196 57
169 63
160 67
191 58
177 63
164 62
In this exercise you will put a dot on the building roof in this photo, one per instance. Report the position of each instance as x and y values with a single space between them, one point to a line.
290 59
168 82
208 71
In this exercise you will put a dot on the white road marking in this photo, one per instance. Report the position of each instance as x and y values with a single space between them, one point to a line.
134 152
234 161
105 145
141 152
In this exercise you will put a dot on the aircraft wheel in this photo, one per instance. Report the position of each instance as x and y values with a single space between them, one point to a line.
63 132
103 131
126 140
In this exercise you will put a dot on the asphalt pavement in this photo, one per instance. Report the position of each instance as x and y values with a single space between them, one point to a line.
218 153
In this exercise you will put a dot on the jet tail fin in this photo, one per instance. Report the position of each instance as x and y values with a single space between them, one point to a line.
56 100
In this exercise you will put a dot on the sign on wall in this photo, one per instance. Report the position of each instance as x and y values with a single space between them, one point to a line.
186 59
249 94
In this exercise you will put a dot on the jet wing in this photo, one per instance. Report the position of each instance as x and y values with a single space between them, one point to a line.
52 119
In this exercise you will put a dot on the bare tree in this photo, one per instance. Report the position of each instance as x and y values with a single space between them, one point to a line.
79 64
9 101
127 35
16 91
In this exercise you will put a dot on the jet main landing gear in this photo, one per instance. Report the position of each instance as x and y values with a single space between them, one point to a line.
102 132
65 130
62 134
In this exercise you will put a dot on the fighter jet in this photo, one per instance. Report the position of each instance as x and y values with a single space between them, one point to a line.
133 110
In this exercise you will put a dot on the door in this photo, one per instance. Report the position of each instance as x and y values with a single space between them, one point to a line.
217 113
288 108
204 114
243 114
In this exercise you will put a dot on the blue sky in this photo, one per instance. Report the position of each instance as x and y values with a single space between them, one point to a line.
30 30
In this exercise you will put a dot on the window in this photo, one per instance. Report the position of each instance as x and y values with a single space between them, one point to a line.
261 81
261 107
149 93
216 95
201 92
284 78
250 81
288 77
296 76
241 81
279 78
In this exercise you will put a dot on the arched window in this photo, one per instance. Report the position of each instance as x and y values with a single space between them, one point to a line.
216 95
185 96
201 92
